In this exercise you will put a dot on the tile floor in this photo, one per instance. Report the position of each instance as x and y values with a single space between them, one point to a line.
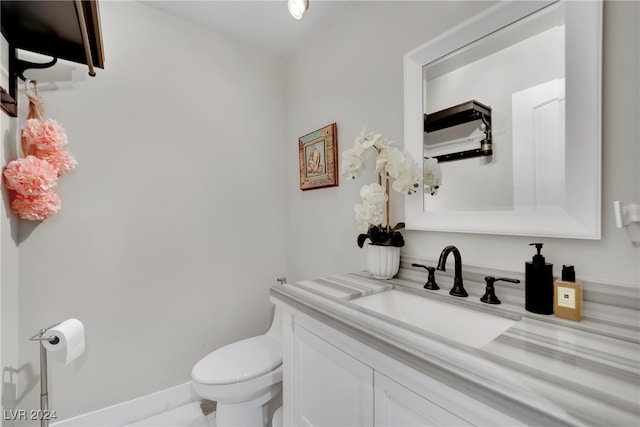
188 415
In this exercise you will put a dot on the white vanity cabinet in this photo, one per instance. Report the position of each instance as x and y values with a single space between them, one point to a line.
330 388
331 379
399 406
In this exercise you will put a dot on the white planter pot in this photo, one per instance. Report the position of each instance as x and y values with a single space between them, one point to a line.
383 262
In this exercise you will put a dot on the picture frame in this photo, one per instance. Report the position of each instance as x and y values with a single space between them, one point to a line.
318 156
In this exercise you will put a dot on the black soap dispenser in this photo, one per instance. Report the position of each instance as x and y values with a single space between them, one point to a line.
538 287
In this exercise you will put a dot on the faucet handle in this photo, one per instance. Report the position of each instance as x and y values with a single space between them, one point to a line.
431 280
489 296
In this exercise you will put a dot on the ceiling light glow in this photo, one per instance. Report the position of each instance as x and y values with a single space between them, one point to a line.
297 7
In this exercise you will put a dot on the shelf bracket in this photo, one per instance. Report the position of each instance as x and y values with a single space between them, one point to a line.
17 67
22 66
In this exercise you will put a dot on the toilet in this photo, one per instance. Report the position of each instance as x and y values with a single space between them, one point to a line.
243 378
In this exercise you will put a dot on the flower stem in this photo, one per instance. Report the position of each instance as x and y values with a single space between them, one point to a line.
387 204
386 186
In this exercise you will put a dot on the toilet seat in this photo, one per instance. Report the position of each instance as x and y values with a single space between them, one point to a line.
239 361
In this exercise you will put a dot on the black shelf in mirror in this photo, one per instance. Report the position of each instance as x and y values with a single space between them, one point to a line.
465 112
456 115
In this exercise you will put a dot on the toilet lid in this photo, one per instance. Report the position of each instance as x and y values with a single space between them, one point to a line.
239 361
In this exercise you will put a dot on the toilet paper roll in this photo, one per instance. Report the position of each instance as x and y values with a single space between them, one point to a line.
70 334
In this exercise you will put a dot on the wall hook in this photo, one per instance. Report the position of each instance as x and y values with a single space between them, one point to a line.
628 216
34 83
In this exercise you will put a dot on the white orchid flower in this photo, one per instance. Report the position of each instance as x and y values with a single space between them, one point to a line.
432 176
395 161
382 143
367 139
352 162
374 193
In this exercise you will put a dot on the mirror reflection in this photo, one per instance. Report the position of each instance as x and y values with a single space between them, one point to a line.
518 75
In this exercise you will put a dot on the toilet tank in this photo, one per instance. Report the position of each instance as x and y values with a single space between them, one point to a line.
275 330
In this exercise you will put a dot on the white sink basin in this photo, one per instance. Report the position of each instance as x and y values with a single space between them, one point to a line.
457 323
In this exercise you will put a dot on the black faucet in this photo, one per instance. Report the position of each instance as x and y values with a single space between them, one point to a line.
458 289
489 296
431 280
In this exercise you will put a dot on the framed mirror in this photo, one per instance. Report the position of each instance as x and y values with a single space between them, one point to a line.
537 67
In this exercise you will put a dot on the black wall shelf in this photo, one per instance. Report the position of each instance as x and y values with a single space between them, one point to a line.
63 29
465 112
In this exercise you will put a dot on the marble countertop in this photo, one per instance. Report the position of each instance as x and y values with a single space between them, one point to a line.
555 371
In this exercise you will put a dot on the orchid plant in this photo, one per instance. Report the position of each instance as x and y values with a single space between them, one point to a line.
396 170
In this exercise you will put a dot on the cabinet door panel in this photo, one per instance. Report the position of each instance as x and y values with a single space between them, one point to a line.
397 406
331 388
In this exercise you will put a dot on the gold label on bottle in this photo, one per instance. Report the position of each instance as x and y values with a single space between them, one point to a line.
566 297
567 300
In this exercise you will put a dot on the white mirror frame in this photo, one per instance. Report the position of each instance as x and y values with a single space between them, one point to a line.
580 217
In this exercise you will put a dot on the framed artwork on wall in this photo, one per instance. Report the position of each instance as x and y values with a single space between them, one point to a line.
318 154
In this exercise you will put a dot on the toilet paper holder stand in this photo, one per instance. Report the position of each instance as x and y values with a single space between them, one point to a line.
44 388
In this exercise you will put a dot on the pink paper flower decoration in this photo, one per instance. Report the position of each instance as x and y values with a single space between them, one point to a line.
30 176
61 159
36 208
43 135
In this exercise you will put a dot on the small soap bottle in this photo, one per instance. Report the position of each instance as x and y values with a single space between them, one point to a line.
538 286
567 295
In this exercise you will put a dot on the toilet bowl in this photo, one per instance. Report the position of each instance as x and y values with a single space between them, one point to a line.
243 377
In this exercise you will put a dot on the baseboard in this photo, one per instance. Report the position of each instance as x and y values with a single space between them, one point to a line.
134 410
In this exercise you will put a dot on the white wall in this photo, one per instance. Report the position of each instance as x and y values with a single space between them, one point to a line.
351 72
8 266
171 228
8 282
172 225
